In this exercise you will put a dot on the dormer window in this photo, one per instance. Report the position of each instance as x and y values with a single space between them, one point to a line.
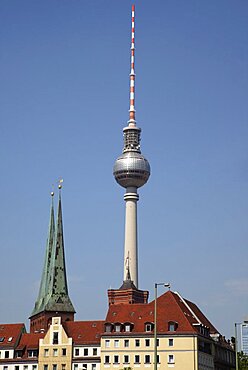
204 331
172 326
1 339
108 328
33 353
18 353
118 328
127 327
148 326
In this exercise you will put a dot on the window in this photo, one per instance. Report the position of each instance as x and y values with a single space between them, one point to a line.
46 352
55 366
147 359
127 327
137 342
94 351
171 342
117 327
45 367
10 339
86 351
93 366
158 359
6 354
84 366
33 353
106 360
55 337
76 351
63 351
25 367
108 328
171 359
126 359
126 343
116 343
107 343
18 354
55 352
148 327
17 367
5 368
136 359
172 326
63 366
75 366
147 341
34 367
157 342
116 359
1 340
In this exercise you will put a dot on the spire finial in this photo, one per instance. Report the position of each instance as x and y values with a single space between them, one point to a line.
60 182
132 121
52 191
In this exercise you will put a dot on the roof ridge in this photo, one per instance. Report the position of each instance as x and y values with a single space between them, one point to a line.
188 307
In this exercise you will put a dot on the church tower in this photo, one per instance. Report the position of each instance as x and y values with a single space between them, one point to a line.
131 171
53 298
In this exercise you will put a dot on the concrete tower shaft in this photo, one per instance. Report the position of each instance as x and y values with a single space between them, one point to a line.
131 171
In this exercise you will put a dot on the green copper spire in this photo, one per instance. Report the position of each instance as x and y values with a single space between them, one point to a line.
39 304
58 299
53 294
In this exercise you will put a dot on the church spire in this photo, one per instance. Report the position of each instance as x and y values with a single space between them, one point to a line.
57 284
53 298
39 304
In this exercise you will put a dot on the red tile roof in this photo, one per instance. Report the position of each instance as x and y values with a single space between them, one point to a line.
30 340
170 307
10 334
84 332
202 317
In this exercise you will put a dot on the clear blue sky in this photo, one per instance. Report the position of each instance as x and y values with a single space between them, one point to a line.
64 90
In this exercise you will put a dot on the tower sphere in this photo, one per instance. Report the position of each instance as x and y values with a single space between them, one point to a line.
131 169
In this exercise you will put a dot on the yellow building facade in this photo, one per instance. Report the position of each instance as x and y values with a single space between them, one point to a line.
55 350
173 351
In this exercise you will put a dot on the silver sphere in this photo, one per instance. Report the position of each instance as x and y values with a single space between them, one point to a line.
131 169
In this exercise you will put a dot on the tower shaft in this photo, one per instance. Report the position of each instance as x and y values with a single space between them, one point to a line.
131 241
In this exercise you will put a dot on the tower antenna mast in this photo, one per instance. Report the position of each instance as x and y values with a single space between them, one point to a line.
132 73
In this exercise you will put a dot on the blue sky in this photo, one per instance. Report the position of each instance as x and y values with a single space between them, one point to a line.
64 99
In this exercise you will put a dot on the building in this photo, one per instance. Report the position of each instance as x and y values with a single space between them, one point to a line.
169 332
185 337
244 337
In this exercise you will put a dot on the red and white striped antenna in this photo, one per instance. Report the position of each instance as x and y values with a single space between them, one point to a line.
132 121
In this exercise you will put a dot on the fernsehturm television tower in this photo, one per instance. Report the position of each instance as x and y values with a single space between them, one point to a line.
131 170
